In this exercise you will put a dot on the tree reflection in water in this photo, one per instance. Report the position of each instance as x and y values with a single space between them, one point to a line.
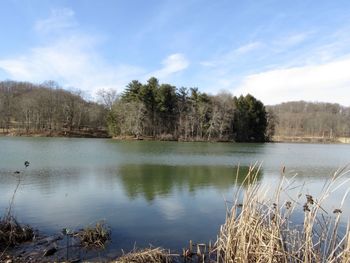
150 180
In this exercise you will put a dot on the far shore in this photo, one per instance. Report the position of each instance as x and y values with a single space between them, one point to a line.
104 134
70 134
312 139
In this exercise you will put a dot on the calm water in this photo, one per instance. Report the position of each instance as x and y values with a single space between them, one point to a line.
159 193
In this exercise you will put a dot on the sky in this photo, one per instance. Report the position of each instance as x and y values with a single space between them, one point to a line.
275 50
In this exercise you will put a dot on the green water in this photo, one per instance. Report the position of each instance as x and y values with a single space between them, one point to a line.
159 193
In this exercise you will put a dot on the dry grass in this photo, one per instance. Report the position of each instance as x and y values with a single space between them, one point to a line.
258 228
94 236
150 255
13 233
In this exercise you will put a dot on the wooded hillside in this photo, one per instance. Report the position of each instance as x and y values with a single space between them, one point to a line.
46 108
300 118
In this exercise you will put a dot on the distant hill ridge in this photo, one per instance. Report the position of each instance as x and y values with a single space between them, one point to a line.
47 109
311 119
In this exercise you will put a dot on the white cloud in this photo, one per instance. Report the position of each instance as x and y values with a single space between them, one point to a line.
172 64
329 82
71 57
59 19
73 62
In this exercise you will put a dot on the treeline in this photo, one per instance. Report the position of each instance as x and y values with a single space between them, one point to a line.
46 108
163 111
306 119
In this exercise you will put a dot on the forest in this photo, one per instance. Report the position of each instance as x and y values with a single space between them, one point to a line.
307 119
164 112
154 110
27 108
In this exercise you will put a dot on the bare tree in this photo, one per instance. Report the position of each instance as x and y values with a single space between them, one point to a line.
107 97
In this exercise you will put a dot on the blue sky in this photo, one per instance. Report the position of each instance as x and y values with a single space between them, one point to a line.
276 50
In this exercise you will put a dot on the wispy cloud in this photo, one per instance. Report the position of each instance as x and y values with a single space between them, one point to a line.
59 19
225 58
174 63
295 66
325 82
74 62
291 40
247 48
73 59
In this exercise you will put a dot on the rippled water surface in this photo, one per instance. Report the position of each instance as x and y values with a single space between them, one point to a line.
159 193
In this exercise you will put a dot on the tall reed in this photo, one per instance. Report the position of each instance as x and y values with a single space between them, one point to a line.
258 227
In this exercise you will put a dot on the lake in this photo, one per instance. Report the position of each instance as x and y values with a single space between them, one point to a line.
159 193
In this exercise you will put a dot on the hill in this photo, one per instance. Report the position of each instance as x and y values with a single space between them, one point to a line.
300 119
47 109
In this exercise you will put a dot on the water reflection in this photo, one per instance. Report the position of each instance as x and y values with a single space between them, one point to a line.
161 193
149 180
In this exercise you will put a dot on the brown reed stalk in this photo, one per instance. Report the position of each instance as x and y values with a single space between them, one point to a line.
258 227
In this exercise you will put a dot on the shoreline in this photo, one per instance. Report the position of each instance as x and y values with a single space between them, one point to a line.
311 139
104 135
59 134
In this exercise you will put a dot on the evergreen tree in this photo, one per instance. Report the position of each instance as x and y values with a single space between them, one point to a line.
166 107
132 91
250 120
